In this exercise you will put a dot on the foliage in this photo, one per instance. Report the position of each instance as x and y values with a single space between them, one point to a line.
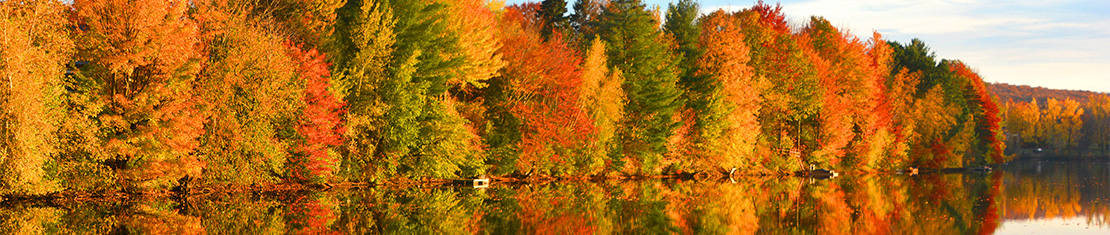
635 47
251 94
320 124
33 56
145 62
726 99
181 95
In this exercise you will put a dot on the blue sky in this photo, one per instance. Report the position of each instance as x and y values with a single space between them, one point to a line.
1061 44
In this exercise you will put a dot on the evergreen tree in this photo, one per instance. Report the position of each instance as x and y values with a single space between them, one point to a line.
553 14
636 48
681 25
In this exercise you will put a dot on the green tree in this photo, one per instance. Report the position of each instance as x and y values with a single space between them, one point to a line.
681 26
403 121
637 49
553 14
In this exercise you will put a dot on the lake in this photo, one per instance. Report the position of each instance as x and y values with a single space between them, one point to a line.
1024 197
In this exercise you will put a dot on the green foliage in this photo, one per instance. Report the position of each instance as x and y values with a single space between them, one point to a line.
253 97
635 47
553 14
681 26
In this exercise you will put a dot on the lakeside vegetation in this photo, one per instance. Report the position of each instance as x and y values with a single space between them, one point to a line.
225 92
1061 123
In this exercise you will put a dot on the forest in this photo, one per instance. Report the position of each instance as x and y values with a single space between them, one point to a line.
1062 123
156 95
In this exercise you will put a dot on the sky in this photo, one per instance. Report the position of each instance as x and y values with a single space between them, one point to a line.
1059 44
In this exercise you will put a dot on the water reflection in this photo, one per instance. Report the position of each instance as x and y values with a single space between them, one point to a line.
1016 198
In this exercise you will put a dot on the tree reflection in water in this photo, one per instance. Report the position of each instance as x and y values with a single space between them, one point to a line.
958 203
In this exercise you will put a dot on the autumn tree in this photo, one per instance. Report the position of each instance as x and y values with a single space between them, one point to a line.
33 56
475 23
788 116
144 63
602 98
306 22
320 125
986 113
635 47
251 94
876 144
1061 122
726 96
843 68
1097 122
540 90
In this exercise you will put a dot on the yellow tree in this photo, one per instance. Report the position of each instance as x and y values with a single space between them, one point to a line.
602 97
33 54
475 24
1062 122
727 98
1097 121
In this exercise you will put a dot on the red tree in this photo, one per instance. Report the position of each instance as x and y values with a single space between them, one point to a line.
988 126
544 79
320 124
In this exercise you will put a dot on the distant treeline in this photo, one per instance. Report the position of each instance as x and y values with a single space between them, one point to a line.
1064 126
1024 93
155 94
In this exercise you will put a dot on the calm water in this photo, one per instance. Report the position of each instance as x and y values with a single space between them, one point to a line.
1026 197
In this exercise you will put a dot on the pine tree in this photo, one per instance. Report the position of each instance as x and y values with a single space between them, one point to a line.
553 15
681 26
636 48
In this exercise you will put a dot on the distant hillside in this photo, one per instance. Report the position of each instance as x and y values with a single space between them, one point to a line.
1025 93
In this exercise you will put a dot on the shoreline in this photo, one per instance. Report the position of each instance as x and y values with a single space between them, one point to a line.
68 197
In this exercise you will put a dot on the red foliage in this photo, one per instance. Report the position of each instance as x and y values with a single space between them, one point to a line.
311 216
988 126
320 124
545 77
772 17
990 214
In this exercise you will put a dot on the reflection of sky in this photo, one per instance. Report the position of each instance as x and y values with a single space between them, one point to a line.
1062 44
1075 225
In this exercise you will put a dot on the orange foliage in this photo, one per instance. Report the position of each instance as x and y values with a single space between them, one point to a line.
544 79
320 124
145 57
736 95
